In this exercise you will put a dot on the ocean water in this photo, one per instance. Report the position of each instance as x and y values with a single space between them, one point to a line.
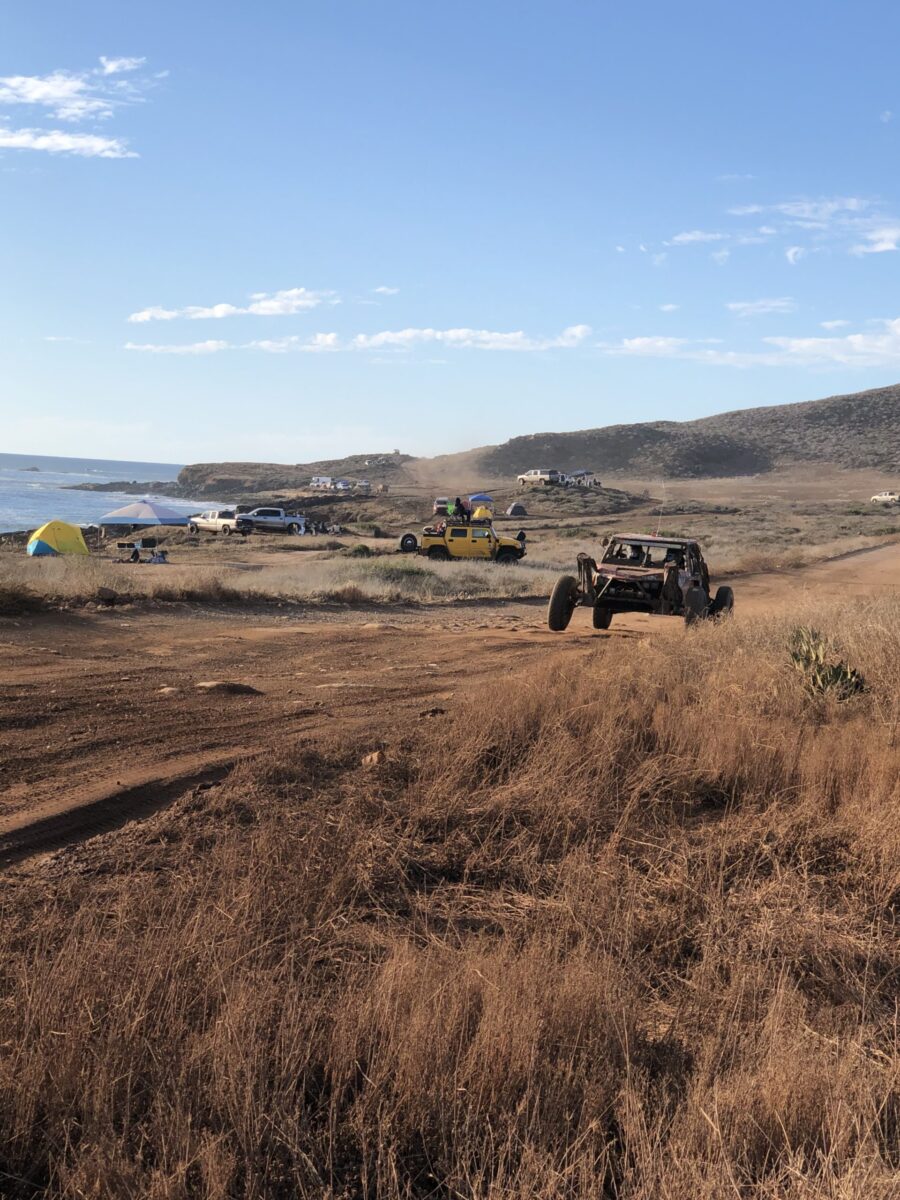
29 498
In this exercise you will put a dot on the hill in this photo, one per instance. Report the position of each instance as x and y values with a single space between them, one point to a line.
861 430
855 431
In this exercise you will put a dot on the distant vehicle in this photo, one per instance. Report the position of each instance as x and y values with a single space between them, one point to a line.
272 520
584 479
342 485
886 498
439 507
538 477
321 483
641 573
216 520
476 539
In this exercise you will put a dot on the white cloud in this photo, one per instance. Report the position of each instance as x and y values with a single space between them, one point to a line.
262 304
55 141
64 338
720 257
659 259
469 339
620 249
793 254
834 324
385 291
761 308
651 347
401 339
808 212
886 116
209 347
115 66
668 308
76 95
879 240
318 343
73 96
880 348
696 235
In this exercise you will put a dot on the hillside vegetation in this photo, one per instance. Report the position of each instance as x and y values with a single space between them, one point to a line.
638 942
855 431
861 430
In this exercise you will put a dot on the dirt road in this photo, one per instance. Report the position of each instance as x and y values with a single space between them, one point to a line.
102 719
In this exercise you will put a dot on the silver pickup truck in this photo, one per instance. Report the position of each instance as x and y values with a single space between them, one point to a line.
217 520
274 520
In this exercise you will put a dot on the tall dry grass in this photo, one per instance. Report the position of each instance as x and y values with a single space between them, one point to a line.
629 930
382 579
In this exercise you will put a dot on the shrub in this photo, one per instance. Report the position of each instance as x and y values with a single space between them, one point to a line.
823 673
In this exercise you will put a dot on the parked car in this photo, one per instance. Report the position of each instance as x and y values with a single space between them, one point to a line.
886 498
538 477
216 520
439 507
272 520
475 539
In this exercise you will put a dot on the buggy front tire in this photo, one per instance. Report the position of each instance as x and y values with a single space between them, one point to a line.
696 605
563 602
602 616
723 605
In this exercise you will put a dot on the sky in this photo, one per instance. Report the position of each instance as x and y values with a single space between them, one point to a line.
307 228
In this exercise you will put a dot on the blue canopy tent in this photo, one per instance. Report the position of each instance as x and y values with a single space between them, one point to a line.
482 498
144 512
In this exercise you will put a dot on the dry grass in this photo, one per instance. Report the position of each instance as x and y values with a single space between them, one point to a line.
638 941
341 579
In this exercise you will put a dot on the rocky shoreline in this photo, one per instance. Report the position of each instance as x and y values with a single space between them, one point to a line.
132 487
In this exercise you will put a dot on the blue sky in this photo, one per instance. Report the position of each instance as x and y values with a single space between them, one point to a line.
290 230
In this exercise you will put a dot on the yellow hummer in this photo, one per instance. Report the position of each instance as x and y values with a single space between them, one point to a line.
465 539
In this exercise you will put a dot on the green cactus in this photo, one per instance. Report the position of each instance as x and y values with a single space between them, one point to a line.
823 673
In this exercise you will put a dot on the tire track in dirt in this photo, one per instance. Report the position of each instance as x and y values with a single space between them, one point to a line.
82 813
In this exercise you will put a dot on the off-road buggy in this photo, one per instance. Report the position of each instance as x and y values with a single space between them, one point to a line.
666 576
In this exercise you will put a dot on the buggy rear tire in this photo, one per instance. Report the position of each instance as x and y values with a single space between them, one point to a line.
696 605
563 601
723 605
439 554
602 616
409 543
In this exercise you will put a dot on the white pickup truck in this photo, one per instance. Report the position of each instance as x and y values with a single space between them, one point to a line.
539 477
272 520
216 520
